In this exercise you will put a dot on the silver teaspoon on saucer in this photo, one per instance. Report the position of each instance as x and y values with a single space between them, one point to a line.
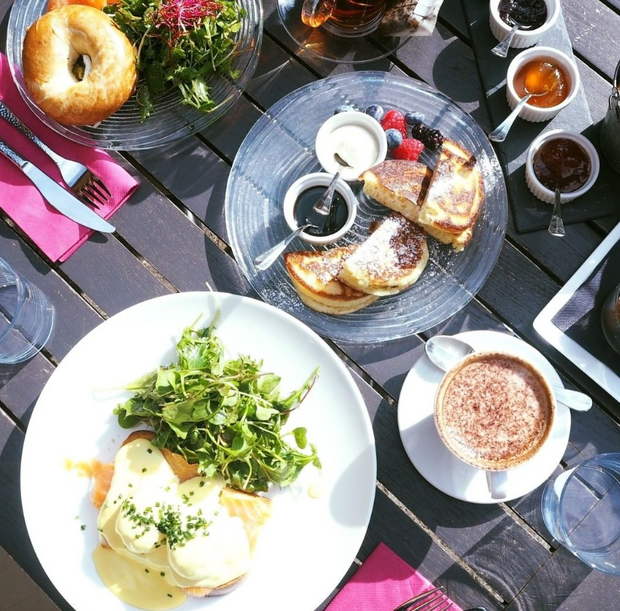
445 351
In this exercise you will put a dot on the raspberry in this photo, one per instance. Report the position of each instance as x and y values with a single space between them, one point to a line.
394 119
410 149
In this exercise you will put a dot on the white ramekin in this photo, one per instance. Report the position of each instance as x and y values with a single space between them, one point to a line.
522 38
535 186
534 113
319 179
324 149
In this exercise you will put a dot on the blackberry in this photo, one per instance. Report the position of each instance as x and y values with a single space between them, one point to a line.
344 108
413 118
432 138
375 111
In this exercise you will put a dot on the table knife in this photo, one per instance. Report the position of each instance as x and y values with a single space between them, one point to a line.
57 196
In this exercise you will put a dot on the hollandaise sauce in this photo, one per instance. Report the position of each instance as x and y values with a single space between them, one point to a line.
162 536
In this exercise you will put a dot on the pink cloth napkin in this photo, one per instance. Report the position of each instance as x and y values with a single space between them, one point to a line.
56 235
382 583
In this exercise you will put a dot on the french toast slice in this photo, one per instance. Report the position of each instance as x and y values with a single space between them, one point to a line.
398 184
390 260
315 278
454 197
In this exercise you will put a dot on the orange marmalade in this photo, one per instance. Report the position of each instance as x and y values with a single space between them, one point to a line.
542 76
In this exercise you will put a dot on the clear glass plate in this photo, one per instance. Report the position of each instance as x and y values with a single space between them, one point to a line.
280 148
170 120
330 47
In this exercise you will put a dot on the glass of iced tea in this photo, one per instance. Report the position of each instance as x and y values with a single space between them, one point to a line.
349 18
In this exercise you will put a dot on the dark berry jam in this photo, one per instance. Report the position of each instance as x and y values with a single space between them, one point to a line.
562 163
529 14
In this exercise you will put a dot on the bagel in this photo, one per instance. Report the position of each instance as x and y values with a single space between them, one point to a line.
53 45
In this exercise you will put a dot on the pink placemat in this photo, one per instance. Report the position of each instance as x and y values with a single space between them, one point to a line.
382 583
56 235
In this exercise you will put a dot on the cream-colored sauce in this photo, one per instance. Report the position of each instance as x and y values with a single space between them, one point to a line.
142 484
316 489
356 145
128 579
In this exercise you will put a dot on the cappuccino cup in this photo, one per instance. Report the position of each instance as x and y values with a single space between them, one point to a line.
494 411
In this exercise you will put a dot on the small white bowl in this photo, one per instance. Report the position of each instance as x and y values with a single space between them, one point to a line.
534 113
536 187
325 147
522 38
319 179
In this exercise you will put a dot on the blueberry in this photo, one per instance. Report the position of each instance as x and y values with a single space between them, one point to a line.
413 118
344 108
394 138
375 111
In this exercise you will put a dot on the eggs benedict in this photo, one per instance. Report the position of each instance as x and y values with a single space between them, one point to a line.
165 535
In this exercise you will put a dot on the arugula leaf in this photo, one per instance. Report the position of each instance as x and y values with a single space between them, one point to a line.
179 43
224 415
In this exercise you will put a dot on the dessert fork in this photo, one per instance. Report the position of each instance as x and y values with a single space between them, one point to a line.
424 601
82 181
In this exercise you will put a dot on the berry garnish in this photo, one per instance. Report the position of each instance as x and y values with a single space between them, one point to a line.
394 119
413 118
432 138
410 149
375 111
344 108
394 138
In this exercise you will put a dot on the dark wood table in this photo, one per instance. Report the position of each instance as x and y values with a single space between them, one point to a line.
171 236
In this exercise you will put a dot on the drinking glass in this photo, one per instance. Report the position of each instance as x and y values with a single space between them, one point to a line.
581 509
26 317
610 319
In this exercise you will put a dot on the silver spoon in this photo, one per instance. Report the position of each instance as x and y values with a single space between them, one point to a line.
501 50
556 224
501 131
445 351
324 205
269 257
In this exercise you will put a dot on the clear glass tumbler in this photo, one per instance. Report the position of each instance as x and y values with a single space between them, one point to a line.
581 509
610 319
26 317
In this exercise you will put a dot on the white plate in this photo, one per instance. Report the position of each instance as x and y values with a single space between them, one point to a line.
588 363
437 464
307 545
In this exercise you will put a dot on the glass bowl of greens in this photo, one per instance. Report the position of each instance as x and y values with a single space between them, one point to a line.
213 63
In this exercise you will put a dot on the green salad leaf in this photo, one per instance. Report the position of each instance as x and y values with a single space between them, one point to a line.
224 415
179 43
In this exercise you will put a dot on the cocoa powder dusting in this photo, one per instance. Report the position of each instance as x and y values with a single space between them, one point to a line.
496 409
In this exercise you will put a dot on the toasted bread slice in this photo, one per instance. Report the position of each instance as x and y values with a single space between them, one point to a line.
398 184
315 278
454 197
390 260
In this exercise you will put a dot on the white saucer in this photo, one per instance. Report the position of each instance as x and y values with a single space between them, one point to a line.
437 464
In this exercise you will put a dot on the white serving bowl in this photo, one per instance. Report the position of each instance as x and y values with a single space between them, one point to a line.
537 188
325 150
523 38
319 179
568 65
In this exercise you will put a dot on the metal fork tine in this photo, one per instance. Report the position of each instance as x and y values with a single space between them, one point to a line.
101 184
423 599
94 187
91 197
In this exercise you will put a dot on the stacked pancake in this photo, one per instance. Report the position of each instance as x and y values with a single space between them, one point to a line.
344 280
444 203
